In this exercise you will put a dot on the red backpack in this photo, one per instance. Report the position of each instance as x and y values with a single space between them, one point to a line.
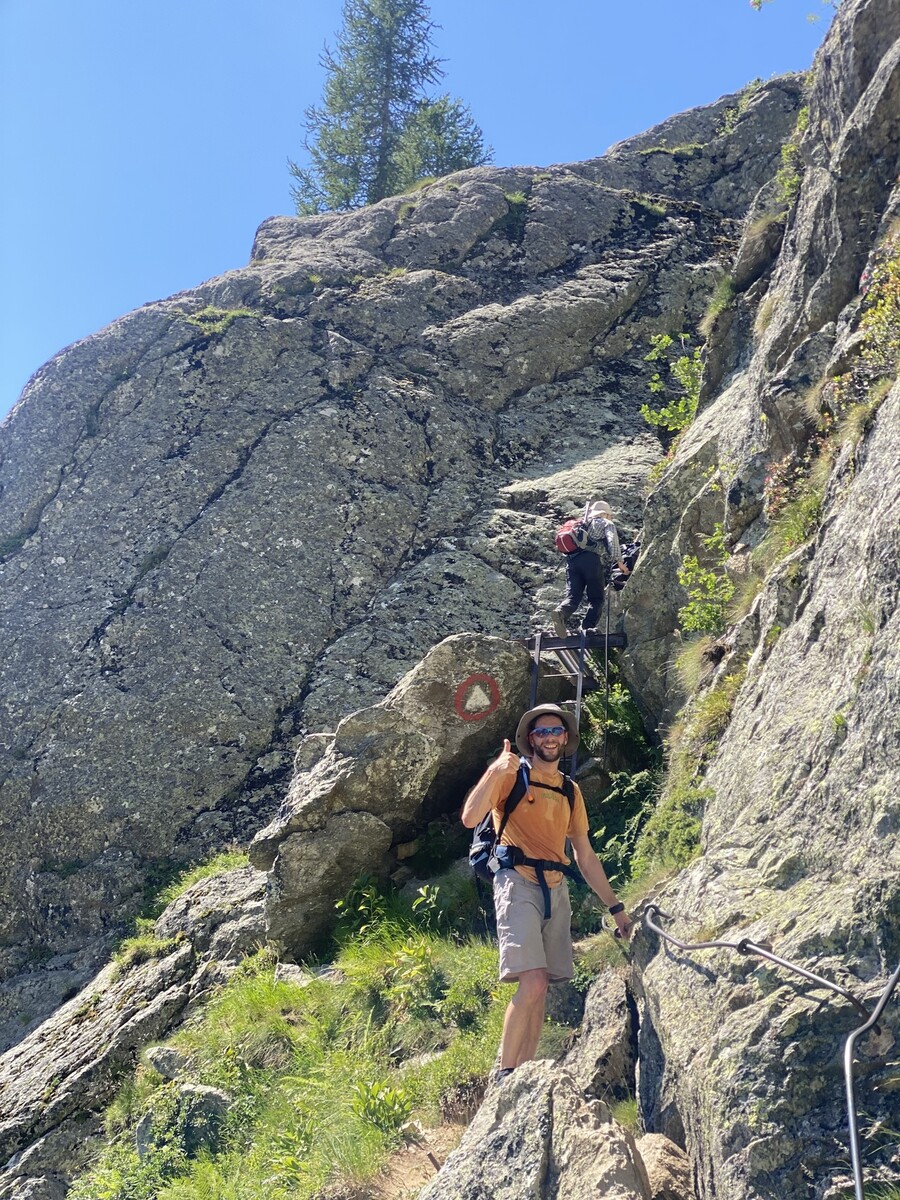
571 536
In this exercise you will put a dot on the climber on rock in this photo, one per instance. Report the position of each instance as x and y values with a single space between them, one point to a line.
531 898
590 544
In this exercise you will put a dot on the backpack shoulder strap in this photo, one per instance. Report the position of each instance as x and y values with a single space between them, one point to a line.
519 789
569 789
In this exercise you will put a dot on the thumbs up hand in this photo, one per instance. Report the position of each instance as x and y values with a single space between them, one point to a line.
507 763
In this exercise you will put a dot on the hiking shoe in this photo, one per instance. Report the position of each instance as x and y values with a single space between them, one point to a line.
559 623
500 1074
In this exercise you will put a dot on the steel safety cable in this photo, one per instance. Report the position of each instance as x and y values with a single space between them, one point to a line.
746 947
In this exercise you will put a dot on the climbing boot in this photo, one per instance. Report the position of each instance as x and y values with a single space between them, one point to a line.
559 623
499 1074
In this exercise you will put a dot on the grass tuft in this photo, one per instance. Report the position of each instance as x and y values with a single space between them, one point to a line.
694 661
722 298
625 1112
765 313
214 321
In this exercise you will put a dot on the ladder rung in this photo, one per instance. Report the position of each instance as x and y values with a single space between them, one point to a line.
592 641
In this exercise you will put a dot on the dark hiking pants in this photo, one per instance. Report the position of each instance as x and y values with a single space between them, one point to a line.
584 572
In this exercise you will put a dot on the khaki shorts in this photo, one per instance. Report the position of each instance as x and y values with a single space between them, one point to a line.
527 941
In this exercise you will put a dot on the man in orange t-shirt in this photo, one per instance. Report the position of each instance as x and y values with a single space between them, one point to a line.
536 950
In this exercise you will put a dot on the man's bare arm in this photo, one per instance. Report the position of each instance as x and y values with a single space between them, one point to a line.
478 801
592 869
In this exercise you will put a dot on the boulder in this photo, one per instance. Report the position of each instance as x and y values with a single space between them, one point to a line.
668 1168
602 1056
166 1061
189 1116
386 769
537 1135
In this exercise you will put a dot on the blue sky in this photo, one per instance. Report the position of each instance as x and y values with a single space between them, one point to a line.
142 143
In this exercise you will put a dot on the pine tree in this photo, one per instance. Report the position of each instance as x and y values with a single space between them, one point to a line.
439 136
376 130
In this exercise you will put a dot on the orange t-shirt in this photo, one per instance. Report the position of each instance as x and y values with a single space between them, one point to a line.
541 821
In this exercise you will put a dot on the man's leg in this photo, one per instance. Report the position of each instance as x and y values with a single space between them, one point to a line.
595 581
574 590
519 906
524 1019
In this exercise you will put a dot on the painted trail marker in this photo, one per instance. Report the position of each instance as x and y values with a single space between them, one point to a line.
476 697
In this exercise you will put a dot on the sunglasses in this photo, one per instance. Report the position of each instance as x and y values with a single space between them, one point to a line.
543 731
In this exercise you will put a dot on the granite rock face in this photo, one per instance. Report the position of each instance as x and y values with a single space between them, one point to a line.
803 307
55 1083
236 516
740 1061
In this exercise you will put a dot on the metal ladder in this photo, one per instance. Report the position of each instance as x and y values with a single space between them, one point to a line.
569 654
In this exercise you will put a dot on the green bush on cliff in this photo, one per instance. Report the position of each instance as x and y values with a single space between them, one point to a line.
843 409
671 836
709 588
789 175
686 369
214 321
618 816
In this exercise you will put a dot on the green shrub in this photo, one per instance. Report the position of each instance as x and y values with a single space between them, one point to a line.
387 1108
122 1175
709 588
687 370
843 408
789 175
880 321
731 116
709 592
214 321
617 817
624 811
615 715
671 836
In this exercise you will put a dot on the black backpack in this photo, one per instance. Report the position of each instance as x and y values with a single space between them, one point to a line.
487 855
630 553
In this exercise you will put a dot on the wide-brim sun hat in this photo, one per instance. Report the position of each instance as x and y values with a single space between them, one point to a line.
599 508
551 710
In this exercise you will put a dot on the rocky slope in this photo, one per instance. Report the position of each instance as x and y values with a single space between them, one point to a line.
236 516
235 519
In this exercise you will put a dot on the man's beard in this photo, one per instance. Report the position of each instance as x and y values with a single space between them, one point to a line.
547 755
